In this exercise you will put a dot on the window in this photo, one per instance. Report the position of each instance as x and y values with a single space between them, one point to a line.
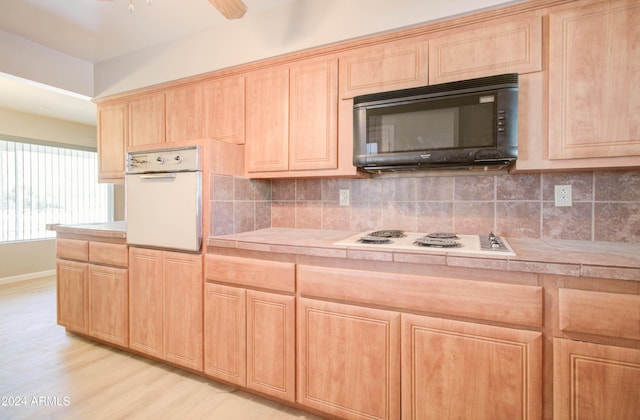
42 184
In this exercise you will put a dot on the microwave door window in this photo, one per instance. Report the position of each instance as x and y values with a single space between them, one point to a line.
450 125
413 131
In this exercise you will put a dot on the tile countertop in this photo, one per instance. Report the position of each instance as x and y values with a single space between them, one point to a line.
612 260
104 230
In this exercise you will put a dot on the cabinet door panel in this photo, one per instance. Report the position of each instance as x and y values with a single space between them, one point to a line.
112 141
313 135
225 332
348 360
453 369
182 314
271 344
109 304
508 45
592 381
224 110
267 145
184 113
145 301
389 66
594 82
72 295
147 120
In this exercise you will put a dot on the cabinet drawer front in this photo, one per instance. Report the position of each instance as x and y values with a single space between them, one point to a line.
507 303
251 272
72 249
109 254
600 313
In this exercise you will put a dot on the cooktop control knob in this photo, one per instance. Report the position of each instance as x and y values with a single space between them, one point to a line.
160 160
178 159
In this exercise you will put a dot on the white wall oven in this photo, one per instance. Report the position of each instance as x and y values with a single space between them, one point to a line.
163 189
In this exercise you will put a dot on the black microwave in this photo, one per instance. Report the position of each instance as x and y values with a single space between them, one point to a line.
465 124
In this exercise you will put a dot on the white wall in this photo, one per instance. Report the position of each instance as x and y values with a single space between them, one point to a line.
31 61
296 26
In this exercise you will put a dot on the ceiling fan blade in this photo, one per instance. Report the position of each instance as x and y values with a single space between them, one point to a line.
231 9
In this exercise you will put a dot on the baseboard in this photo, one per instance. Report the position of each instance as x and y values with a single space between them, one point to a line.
27 276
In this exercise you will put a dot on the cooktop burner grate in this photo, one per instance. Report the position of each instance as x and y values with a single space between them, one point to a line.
437 242
442 235
387 234
370 239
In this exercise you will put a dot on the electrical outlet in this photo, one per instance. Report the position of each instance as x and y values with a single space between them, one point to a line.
563 196
344 197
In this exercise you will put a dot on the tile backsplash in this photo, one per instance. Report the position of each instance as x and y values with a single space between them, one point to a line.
606 204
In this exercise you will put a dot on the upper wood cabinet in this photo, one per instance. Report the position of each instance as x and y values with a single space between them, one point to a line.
593 81
113 135
293 122
267 120
313 115
147 119
507 45
184 113
382 67
224 110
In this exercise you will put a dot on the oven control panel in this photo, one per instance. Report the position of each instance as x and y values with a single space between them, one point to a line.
164 160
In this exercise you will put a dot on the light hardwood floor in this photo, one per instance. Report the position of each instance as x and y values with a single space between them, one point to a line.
47 373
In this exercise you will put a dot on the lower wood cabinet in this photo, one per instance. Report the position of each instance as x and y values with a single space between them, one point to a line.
108 297
593 381
462 370
249 335
72 295
348 359
165 305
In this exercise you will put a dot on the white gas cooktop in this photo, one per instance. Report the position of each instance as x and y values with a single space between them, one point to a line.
432 243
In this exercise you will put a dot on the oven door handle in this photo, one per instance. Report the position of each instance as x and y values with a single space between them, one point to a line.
158 176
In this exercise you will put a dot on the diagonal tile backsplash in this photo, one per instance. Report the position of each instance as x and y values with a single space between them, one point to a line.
606 204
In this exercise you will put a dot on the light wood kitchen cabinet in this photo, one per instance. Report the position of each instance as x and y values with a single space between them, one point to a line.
313 118
593 381
250 334
165 305
348 359
184 113
597 377
108 295
224 109
593 82
267 120
92 289
453 369
113 137
507 45
147 120
225 333
72 295
383 67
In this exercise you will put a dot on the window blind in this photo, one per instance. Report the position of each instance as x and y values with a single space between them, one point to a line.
42 185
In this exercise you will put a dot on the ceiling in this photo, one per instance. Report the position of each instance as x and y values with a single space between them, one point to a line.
94 31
